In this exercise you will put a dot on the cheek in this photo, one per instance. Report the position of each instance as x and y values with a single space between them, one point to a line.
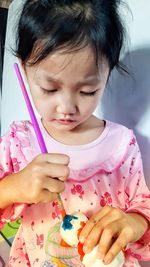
43 106
89 106
99 97
95 102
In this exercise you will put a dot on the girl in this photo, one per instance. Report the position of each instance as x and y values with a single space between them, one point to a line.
67 49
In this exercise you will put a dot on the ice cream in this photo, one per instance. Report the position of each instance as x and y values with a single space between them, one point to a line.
70 230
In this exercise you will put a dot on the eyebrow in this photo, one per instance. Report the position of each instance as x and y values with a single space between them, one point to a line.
89 80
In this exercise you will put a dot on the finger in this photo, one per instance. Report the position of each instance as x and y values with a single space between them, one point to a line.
92 239
95 234
60 172
55 158
47 196
117 246
92 222
109 218
53 185
108 237
113 215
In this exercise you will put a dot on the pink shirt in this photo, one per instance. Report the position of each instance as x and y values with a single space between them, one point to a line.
107 171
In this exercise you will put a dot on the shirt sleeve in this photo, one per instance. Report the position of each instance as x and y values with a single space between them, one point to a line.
12 212
138 200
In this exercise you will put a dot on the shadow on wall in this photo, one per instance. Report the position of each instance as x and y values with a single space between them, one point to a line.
127 100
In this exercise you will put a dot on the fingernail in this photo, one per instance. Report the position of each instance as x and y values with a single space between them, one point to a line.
81 239
101 255
107 260
86 249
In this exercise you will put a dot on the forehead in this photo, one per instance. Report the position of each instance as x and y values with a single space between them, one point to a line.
78 65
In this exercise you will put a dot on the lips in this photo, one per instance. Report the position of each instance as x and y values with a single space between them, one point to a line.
63 121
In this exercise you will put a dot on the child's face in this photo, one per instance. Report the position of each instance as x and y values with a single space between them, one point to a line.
66 88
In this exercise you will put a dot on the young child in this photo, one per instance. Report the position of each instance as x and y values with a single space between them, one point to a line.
67 49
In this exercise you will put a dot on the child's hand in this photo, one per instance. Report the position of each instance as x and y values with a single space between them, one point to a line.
112 229
42 179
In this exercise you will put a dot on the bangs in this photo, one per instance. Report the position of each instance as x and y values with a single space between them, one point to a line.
68 26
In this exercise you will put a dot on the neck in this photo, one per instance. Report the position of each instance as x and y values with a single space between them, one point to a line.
82 134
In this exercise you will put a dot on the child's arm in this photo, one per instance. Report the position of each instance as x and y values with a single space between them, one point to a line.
114 229
39 181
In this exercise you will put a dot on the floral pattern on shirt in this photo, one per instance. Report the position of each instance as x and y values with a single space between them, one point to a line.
106 172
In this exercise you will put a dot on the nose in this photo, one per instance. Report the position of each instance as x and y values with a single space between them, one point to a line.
66 105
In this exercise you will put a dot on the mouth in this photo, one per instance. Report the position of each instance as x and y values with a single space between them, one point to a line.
64 122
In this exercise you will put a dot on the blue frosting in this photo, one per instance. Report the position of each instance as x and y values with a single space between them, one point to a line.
67 225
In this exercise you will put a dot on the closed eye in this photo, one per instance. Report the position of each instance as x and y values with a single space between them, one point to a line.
88 93
46 91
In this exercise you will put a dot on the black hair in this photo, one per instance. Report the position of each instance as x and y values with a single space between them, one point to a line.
46 26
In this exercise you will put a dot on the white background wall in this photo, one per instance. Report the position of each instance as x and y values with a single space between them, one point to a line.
13 106
127 98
